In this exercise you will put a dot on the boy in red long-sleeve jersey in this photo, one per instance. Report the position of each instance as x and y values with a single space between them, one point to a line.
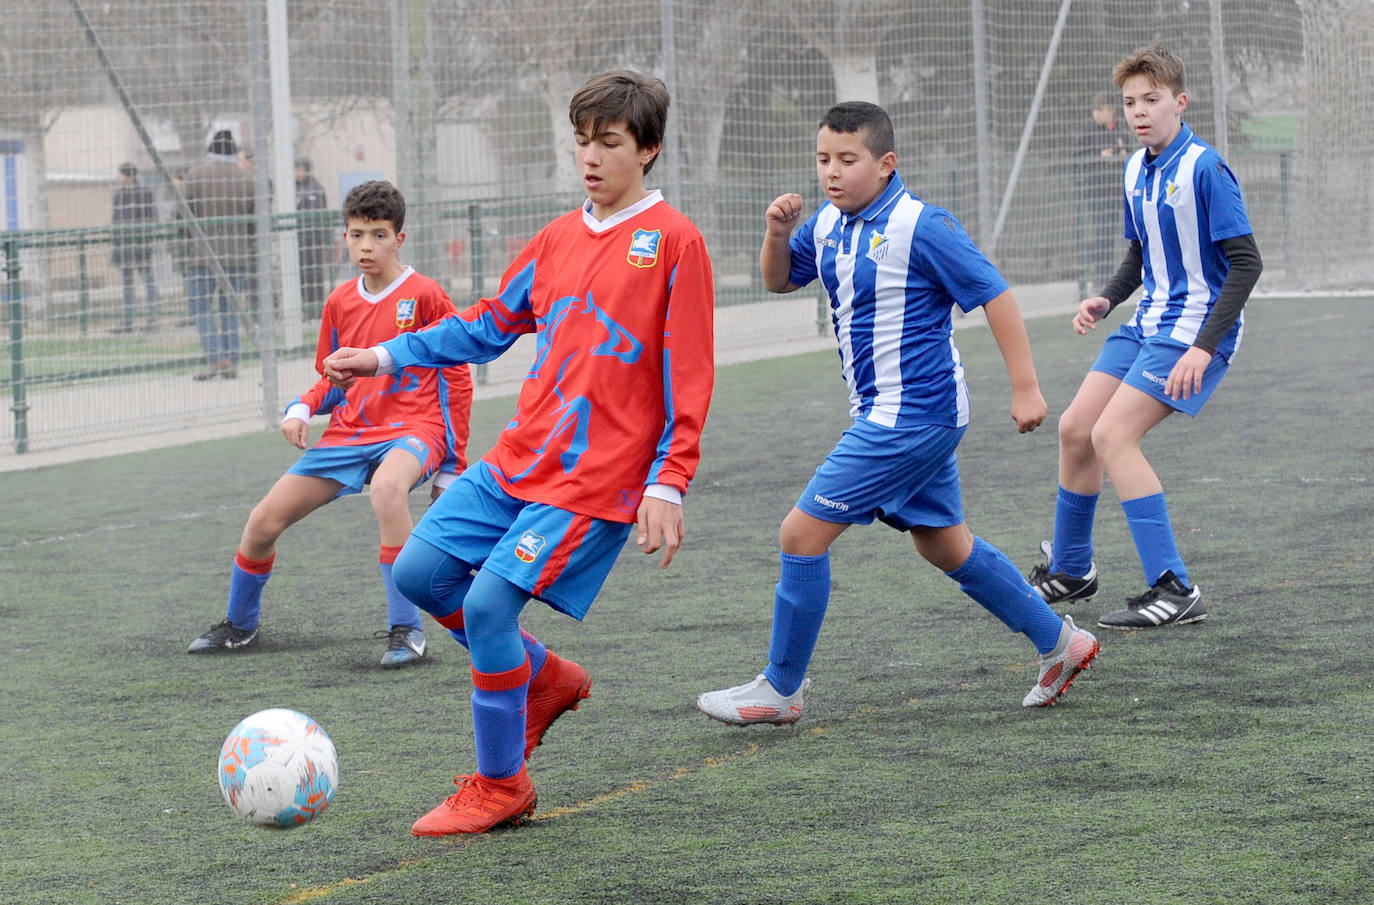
606 436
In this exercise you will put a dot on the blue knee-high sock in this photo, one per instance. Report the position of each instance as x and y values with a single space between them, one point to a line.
1148 519
537 652
1073 533
498 720
491 620
246 581
399 610
799 602
991 579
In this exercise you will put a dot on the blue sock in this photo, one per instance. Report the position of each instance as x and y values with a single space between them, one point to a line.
1073 533
537 652
498 720
246 581
491 620
1148 519
399 610
799 603
991 579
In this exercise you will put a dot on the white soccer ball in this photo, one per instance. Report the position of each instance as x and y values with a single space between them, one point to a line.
278 768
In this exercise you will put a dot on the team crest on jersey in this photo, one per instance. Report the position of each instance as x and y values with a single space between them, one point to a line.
528 547
405 313
877 247
644 247
1172 196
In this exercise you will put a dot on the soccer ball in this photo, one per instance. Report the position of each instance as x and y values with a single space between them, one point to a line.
278 768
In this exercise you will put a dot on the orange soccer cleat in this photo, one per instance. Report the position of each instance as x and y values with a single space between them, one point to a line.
479 805
558 688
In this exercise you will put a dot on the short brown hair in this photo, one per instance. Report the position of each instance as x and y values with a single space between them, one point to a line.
1156 62
639 101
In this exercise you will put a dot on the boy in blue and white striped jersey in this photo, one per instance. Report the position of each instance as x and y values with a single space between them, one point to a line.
893 267
1192 248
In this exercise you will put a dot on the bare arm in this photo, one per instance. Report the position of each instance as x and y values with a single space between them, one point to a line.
775 258
1028 408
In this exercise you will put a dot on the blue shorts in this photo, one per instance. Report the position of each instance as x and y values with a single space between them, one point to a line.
1145 362
905 477
352 466
560 557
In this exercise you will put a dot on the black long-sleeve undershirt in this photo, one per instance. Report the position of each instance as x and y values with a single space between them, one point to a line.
1245 267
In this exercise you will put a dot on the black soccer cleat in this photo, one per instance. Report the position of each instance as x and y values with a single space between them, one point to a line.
222 637
1056 587
1169 602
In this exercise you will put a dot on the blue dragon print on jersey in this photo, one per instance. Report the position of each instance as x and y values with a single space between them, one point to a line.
573 412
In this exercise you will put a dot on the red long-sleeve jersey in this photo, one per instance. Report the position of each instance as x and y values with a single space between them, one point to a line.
436 403
617 394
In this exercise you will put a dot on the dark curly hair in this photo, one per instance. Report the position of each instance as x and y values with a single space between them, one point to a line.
376 199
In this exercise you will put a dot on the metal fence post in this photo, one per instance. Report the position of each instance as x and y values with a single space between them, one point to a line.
83 284
19 404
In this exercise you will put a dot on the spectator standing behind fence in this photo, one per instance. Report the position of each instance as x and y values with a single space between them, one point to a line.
1102 149
130 245
217 189
315 243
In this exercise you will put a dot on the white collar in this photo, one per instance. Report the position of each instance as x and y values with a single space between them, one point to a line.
395 284
620 216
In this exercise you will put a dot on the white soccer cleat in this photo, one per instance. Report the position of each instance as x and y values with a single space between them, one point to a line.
1062 665
754 702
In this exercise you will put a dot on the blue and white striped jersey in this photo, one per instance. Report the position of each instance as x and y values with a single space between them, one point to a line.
893 271
1179 206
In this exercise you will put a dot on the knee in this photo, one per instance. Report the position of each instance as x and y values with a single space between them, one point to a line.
944 548
1107 440
430 578
484 621
801 535
265 524
413 578
388 496
1075 432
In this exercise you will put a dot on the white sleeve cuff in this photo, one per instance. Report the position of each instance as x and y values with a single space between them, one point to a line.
665 493
444 478
298 411
385 363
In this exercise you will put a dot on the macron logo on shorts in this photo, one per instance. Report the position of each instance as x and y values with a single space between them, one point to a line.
528 547
1153 378
829 504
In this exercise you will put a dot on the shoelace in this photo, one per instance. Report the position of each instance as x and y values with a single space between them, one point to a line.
1136 603
467 785
395 638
